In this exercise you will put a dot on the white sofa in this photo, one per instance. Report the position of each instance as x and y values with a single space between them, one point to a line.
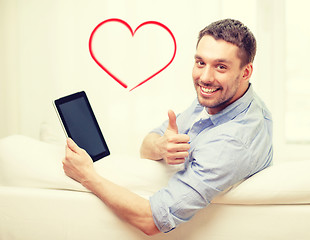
37 201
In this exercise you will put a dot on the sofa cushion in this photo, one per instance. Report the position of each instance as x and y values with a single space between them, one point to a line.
27 162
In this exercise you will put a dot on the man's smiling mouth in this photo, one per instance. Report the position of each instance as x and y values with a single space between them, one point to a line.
208 90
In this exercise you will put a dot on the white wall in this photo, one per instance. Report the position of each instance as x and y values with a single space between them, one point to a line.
44 55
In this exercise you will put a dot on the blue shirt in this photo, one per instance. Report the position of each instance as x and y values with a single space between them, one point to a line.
225 148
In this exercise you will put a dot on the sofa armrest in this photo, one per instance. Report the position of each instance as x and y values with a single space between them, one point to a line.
284 183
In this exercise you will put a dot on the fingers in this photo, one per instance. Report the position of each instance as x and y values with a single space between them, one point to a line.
175 161
72 152
178 138
71 149
72 145
177 153
177 148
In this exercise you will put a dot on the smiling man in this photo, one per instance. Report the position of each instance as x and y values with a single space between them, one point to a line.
224 137
219 76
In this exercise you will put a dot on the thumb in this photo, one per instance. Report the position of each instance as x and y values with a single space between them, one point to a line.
172 126
72 145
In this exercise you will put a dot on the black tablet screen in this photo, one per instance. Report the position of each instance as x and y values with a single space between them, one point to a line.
81 125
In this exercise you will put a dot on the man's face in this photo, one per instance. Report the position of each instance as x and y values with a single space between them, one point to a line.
217 76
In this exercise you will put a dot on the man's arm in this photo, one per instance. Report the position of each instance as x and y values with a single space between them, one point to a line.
150 147
129 206
172 146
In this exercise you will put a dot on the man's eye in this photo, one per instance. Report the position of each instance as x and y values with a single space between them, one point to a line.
221 67
200 63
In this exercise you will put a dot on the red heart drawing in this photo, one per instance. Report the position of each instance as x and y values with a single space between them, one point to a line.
132 33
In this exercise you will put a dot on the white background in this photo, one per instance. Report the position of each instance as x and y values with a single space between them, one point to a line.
44 55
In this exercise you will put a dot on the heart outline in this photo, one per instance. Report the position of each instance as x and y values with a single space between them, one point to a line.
132 33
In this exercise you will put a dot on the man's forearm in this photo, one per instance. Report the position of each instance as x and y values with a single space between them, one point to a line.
136 210
127 205
149 149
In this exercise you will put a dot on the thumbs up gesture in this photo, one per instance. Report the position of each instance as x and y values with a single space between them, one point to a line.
174 146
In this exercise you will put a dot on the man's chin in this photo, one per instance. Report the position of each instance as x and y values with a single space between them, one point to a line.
204 102
212 106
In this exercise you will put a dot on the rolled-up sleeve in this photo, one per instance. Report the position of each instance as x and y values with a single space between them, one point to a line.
178 202
211 170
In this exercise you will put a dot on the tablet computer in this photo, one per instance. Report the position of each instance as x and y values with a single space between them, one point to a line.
79 123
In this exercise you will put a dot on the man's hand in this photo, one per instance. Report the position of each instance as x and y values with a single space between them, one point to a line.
77 164
172 145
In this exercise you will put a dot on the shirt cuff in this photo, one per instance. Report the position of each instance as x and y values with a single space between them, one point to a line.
163 221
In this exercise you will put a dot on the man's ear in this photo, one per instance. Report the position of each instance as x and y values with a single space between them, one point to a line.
247 71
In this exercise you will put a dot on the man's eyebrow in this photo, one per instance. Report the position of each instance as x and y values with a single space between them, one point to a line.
223 60
218 60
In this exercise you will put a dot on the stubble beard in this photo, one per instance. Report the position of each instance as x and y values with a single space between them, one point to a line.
221 102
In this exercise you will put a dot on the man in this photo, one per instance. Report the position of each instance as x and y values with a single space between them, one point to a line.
224 137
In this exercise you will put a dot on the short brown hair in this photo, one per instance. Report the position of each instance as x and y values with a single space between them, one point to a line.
235 32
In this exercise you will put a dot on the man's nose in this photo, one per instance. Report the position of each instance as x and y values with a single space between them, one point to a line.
207 75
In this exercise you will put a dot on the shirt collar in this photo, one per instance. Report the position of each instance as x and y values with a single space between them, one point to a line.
233 109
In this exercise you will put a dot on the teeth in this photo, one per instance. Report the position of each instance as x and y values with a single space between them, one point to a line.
208 90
